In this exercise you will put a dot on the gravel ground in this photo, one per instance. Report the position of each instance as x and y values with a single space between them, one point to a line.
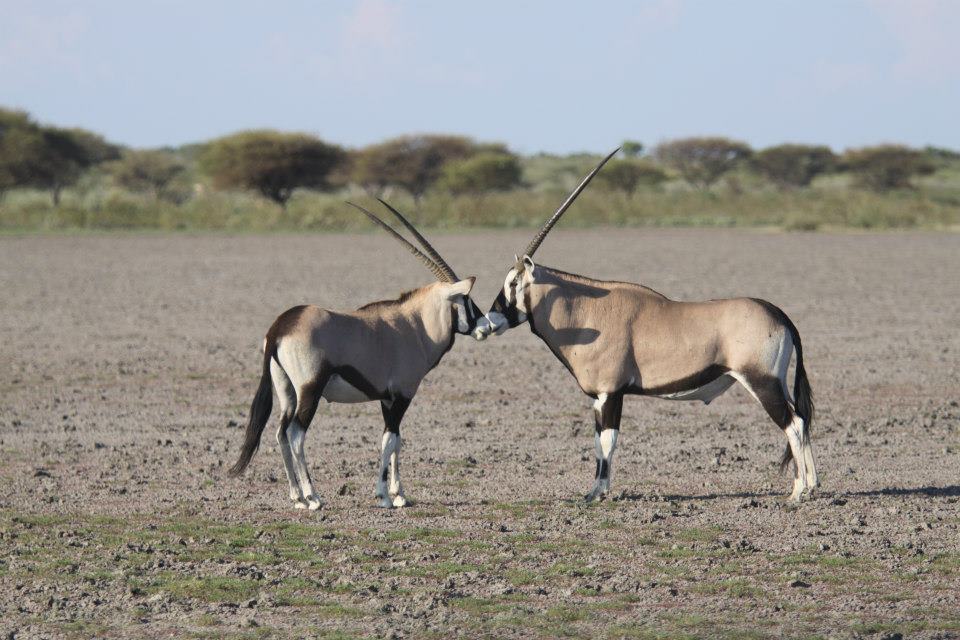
127 363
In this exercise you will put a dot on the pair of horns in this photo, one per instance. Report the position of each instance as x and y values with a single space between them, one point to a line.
437 264
545 229
434 262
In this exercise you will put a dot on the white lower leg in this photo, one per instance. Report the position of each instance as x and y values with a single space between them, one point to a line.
396 489
813 480
388 446
794 436
297 436
287 456
606 443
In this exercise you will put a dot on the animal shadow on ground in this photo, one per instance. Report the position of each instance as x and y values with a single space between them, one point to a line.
949 491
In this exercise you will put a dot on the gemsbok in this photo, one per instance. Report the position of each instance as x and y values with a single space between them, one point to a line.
381 351
618 338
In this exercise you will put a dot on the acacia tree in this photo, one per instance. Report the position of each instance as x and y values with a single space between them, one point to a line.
702 161
16 131
487 171
631 148
794 165
270 162
627 175
886 167
149 171
65 154
46 157
413 163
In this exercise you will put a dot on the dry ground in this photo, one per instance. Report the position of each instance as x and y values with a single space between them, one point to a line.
127 364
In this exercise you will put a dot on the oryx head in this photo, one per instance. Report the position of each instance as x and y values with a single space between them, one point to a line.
455 291
511 306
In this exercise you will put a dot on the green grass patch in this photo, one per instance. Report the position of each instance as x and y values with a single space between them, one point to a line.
210 589
734 587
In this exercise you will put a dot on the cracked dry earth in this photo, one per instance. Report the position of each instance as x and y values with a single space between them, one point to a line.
127 364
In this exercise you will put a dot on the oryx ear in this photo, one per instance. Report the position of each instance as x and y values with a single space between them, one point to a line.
461 288
528 263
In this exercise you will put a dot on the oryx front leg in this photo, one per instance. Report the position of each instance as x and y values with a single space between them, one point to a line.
606 410
389 488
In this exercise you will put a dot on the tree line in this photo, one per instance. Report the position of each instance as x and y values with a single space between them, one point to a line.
275 164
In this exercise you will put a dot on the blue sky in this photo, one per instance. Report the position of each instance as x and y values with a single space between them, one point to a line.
540 76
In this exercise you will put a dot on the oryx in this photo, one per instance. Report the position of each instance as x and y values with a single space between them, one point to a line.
381 351
618 338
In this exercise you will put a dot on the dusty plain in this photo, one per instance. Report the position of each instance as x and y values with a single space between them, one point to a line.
127 363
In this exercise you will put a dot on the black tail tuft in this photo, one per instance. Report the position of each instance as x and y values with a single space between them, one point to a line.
802 397
259 414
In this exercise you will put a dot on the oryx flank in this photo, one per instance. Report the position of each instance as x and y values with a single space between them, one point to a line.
618 338
381 351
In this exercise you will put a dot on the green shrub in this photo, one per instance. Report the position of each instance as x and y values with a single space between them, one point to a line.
886 167
794 165
702 161
482 173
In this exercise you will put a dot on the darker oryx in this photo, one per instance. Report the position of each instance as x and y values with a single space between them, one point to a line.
618 338
381 351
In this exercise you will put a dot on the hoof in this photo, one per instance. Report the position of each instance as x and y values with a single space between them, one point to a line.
384 502
399 501
314 503
299 504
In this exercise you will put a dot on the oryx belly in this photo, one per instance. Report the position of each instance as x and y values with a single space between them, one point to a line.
339 390
705 393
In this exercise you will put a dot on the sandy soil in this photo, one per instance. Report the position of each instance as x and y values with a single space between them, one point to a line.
127 364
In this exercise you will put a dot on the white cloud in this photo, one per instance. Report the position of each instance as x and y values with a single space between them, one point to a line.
659 14
373 23
33 44
927 34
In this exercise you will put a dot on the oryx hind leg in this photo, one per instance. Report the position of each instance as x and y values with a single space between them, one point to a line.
307 400
766 382
288 404
391 495
798 425
607 411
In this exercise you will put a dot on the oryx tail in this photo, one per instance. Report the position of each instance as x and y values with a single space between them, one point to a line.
259 411
802 395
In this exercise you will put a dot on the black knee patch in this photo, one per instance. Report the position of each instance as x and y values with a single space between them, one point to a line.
603 469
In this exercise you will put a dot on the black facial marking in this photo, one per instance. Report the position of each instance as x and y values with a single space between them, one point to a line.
508 311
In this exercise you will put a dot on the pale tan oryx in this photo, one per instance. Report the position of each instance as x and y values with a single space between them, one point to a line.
381 351
618 338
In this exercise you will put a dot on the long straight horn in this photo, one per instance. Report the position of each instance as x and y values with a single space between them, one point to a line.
436 270
566 204
433 253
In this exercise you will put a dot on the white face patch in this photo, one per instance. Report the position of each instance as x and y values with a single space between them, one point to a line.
507 288
514 293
